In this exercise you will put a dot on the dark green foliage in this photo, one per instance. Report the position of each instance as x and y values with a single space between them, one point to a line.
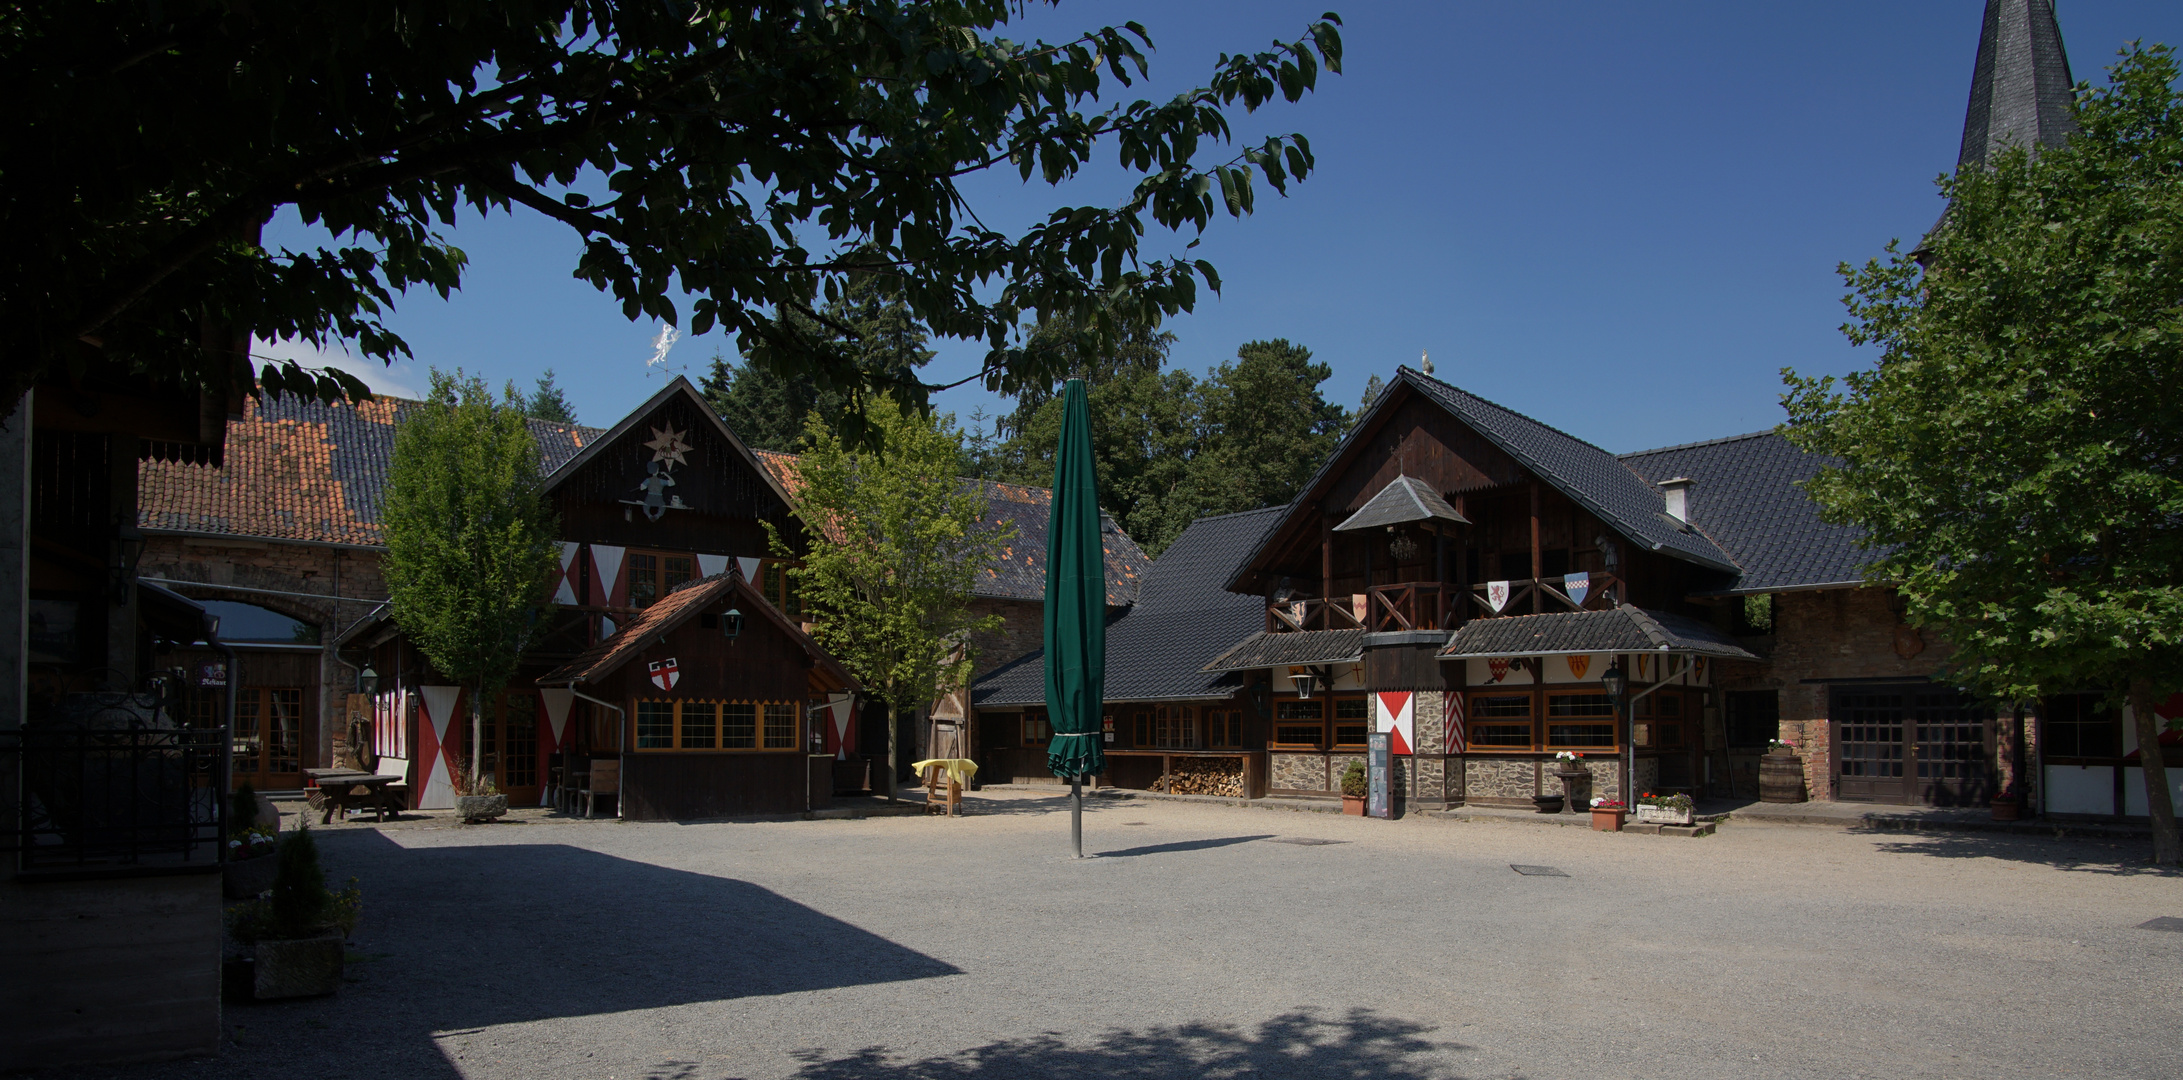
756 156
300 905
2014 454
1171 448
549 402
1355 783
242 809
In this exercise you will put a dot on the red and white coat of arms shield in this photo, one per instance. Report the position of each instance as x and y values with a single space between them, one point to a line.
664 674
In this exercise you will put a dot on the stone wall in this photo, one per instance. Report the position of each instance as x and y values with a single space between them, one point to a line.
1296 772
1500 778
354 574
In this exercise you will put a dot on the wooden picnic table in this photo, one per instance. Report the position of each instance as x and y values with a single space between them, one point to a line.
346 789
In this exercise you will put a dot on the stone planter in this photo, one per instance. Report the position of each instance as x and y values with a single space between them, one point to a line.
2006 808
1607 818
301 967
1663 815
1547 804
246 878
1576 788
1353 805
476 808
1781 778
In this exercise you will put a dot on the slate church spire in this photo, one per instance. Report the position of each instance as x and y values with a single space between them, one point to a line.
2020 88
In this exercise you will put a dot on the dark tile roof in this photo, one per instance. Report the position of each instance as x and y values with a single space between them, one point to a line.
1616 630
1267 648
1405 499
1592 477
302 470
1744 496
1155 651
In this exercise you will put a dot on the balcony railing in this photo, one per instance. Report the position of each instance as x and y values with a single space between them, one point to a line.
1312 613
1605 591
1410 605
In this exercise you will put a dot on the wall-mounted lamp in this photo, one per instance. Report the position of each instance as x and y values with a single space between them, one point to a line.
367 682
1305 683
731 624
1617 684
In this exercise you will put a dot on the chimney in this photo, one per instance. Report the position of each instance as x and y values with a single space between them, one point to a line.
1678 496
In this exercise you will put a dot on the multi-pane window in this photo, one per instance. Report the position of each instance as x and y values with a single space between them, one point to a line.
1142 732
1579 721
653 575
774 585
1300 724
1176 727
1352 723
1224 729
2078 726
1037 731
519 761
1500 721
717 725
1753 717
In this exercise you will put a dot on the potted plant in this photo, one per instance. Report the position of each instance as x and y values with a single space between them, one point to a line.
1665 809
2007 806
1576 780
296 932
1607 814
1354 787
250 844
477 799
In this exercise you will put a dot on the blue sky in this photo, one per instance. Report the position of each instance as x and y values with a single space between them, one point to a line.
1623 219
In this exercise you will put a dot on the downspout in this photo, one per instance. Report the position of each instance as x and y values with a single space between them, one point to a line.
621 734
227 736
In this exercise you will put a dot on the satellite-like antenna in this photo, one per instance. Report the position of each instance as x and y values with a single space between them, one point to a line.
1425 361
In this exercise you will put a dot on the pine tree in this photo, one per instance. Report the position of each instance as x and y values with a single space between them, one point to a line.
549 402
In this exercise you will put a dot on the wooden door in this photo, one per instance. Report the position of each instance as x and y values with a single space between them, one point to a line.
1914 743
511 746
269 738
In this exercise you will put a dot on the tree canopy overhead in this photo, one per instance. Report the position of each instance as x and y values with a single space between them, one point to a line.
755 155
2015 457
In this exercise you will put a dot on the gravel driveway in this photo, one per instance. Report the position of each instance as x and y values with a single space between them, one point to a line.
1205 943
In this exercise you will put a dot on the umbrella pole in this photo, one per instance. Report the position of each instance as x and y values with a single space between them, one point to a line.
1076 814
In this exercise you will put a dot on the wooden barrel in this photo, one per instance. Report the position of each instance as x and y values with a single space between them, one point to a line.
1781 778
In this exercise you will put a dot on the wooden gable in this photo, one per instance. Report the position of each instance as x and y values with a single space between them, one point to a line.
705 490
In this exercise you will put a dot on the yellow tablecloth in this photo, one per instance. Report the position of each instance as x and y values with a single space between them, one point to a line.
958 769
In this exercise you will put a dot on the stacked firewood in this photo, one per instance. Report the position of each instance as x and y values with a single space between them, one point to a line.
1204 776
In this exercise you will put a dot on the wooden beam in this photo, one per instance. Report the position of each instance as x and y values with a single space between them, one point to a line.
1326 568
1538 600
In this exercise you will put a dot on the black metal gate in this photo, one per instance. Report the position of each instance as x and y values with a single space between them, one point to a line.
1912 744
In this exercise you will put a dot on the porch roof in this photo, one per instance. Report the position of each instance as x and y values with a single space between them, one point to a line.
1626 629
1405 499
1267 649
671 611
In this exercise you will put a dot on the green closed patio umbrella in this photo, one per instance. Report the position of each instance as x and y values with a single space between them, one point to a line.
1076 612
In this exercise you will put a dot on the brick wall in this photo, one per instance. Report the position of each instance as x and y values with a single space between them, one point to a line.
1834 634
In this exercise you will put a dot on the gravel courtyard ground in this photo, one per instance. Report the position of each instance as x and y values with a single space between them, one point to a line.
1202 943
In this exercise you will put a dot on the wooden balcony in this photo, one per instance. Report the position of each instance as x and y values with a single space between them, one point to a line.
1605 591
1312 613
1410 605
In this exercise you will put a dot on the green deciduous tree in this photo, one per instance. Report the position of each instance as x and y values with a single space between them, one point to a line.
898 539
755 156
2016 455
767 399
469 536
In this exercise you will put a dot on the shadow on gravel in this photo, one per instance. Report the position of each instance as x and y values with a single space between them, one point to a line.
1183 845
460 939
2089 855
1361 1044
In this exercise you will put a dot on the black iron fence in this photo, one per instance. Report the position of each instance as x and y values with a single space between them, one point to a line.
129 796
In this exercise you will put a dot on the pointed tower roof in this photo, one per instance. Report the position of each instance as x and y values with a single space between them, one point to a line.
2020 88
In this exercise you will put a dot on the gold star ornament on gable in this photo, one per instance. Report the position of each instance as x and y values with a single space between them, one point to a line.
667 446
